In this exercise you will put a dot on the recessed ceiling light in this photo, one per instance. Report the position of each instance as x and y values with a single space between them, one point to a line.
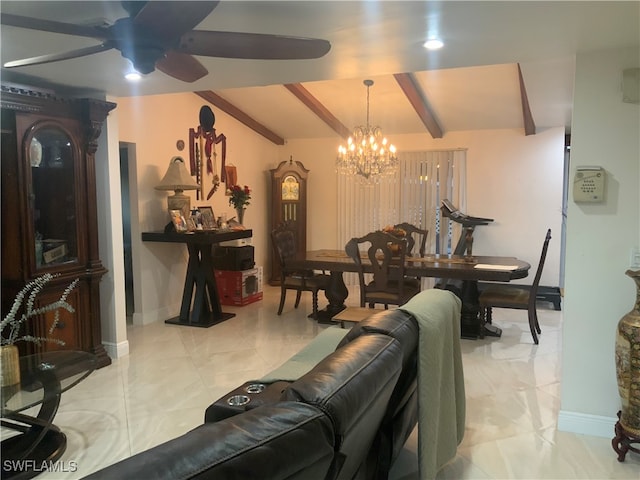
433 44
133 76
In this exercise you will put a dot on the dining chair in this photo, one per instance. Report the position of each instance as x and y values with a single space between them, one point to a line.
386 253
414 233
284 248
512 296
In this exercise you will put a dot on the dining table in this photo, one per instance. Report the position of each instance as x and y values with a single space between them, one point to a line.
459 273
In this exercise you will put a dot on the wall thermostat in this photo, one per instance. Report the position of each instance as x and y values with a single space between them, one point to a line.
588 184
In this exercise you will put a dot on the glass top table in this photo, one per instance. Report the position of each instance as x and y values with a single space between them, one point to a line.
43 379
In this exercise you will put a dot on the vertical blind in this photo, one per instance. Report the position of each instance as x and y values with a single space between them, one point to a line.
413 194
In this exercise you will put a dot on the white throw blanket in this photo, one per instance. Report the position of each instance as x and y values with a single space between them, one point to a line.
441 397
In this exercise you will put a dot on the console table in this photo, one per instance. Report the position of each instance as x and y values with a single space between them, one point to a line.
44 377
200 281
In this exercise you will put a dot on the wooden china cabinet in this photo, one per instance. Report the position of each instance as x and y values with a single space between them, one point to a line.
49 215
288 206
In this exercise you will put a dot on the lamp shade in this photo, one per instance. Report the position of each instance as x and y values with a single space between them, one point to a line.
177 177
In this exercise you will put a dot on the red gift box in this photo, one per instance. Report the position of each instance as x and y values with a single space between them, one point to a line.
239 287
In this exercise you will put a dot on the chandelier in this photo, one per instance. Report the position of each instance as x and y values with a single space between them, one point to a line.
367 153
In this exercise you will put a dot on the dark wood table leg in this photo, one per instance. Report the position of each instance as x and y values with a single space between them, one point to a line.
472 325
200 286
336 293
40 441
469 316
193 266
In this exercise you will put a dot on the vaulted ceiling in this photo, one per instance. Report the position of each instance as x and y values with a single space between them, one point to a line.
504 64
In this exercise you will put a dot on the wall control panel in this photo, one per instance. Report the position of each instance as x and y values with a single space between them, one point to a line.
588 184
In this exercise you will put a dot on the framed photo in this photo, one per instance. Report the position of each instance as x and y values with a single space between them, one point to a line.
232 178
207 217
191 225
178 220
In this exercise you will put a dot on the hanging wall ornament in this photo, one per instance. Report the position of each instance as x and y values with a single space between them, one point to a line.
203 155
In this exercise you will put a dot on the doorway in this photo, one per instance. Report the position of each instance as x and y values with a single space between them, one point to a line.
565 202
126 231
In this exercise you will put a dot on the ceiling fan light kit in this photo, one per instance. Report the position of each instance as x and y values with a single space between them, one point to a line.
133 76
433 44
160 35
368 153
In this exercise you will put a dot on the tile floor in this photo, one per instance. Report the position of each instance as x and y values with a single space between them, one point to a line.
173 373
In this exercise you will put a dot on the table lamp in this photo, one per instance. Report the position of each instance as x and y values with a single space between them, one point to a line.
178 179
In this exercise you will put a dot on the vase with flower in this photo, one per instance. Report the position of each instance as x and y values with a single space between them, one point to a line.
239 197
12 325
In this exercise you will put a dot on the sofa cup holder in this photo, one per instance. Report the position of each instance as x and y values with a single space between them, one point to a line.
255 388
238 400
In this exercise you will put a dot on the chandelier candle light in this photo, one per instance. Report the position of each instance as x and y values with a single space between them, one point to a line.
368 152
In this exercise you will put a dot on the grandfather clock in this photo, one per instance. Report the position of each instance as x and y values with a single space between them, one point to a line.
288 206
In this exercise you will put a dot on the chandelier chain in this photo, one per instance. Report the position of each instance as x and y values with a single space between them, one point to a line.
368 106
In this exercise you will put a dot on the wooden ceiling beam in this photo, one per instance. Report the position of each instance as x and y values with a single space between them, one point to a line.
529 124
419 102
242 117
313 104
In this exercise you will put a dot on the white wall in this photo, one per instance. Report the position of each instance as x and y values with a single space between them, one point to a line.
110 241
605 132
512 178
517 181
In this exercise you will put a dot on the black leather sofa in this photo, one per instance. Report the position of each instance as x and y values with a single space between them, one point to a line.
346 418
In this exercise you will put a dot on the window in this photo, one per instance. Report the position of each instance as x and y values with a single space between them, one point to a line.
413 194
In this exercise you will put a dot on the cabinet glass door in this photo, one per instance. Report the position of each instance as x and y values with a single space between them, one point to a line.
53 196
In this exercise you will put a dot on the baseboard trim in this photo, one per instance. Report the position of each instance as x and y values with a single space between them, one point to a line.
160 314
584 424
117 350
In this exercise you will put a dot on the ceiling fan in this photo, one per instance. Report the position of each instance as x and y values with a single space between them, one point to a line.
158 34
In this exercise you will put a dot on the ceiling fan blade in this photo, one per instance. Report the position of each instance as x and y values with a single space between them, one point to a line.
181 66
256 46
172 19
56 57
54 27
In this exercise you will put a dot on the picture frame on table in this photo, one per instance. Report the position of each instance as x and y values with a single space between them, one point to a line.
207 217
178 220
191 225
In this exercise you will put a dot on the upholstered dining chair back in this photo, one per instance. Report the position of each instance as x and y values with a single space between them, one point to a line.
284 242
284 248
386 255
415 236
515 297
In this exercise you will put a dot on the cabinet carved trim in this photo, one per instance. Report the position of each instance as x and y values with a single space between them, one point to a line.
49 215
